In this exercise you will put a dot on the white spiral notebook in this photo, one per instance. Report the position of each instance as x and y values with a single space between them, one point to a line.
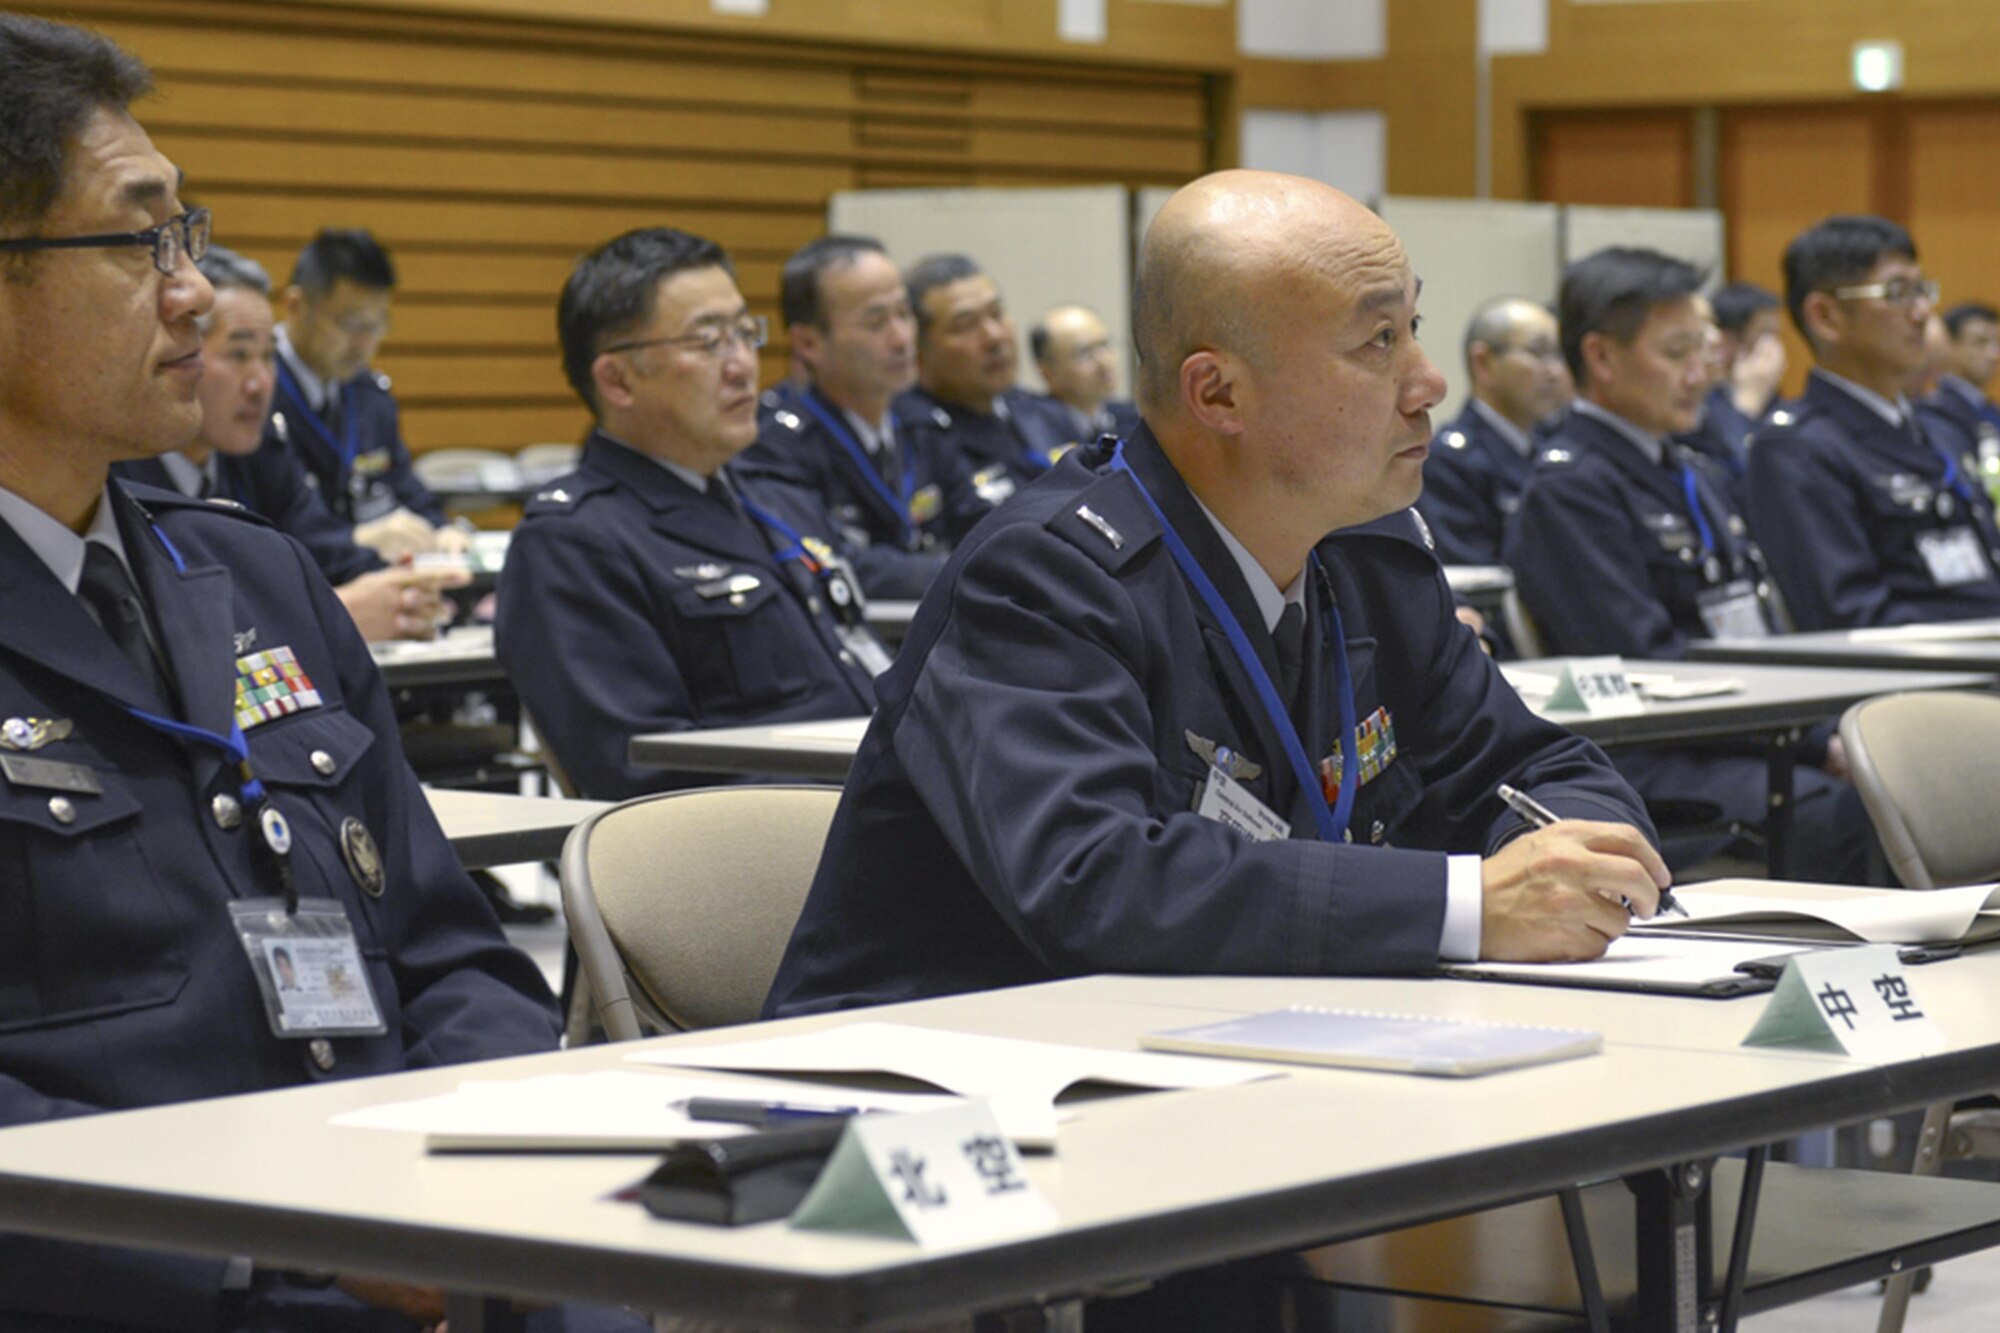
1400 1043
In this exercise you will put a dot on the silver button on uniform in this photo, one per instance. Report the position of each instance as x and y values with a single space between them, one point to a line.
323 763
228 811
63 810
321 1051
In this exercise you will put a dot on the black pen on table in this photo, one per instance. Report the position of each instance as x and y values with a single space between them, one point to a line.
762 1115
1540 816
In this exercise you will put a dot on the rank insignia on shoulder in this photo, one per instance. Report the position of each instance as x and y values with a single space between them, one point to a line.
1780 417
32 733
271 684
941 417
554 495
383 382
993 485
1224 758
1454 439
1110 534
789 420
707 570
281 428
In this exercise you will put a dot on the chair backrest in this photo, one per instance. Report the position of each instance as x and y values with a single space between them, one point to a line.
467 467
1521 631
1924 763
680 905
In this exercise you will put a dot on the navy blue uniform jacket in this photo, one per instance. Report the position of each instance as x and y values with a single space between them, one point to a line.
1723 437
617 616
1472 484
122 982
896 553
1017 447
271 484
1022 806
1839 500
378 477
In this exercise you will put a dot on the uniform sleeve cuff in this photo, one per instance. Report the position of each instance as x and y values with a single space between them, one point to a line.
1464 895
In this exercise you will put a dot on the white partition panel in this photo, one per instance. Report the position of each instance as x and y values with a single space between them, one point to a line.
1043 247
1469 251
1693 234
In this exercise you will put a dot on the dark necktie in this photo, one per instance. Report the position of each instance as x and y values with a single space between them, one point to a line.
1289 638
109 592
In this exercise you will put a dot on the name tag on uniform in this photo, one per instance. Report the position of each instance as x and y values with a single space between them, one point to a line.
1733 611
1227 801
1954 557
50 775
308 968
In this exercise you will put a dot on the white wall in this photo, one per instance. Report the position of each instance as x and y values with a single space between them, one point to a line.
1346 149
1312 29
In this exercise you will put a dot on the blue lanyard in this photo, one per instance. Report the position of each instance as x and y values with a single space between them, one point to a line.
845 438
348 445
1953 477
797 550
1332 822
1706 533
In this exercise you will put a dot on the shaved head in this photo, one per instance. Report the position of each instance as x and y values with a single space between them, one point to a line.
1224 245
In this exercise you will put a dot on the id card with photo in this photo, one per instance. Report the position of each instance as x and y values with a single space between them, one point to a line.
308 967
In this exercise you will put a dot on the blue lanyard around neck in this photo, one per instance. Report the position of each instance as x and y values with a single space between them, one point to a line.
349 443
1695 511
845 439
1954 477
1331 822
796 550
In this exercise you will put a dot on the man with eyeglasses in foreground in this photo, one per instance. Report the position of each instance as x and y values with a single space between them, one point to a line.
1479 464
189 725
655 588
1869 513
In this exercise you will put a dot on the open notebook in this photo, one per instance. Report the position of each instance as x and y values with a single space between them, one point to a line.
1398 1043
1790 910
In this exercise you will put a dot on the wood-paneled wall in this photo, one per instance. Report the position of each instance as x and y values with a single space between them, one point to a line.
487 153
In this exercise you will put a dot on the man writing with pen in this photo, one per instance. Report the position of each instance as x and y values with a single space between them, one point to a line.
1198 703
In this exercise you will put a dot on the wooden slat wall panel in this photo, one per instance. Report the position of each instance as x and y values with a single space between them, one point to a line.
1626 159
488 154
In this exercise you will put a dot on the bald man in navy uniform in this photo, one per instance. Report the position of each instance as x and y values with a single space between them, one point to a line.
1116 738
188 722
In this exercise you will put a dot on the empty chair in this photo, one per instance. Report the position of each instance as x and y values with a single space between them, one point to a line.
680 904
1924 765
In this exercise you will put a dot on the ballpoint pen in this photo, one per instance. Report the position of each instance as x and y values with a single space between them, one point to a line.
732 1111
1540 816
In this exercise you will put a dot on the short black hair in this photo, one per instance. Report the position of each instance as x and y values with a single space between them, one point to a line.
1836 251
927 275
52 78
1612 291
337 253
1956 318
798 282
611 292
1737 303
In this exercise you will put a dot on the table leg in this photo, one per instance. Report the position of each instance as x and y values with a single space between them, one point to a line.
1584 1258
1784 757
1672 1259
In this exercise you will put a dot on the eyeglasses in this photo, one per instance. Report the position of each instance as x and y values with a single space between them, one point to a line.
751 332
183 237
1903 291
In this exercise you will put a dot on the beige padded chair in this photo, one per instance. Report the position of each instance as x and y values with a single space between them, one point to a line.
1925 764
680 905
1520 625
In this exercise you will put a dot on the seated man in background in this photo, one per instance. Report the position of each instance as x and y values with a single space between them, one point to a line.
653 589
1627 543
225 463
900 499
335 413
1073 352
1154 718
1479 463
132 635
1869 514
968 357
1750 361
1974 328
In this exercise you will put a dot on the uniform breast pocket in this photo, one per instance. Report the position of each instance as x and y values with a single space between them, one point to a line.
1385 804
735 647
304 761
87 930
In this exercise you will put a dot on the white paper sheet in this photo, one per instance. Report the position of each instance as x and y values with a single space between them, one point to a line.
1637 961
1877 916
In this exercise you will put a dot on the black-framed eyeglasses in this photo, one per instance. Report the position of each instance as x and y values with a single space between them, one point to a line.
752 331
180 237
1903 291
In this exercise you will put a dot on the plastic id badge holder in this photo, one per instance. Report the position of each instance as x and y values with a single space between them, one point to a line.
308 968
